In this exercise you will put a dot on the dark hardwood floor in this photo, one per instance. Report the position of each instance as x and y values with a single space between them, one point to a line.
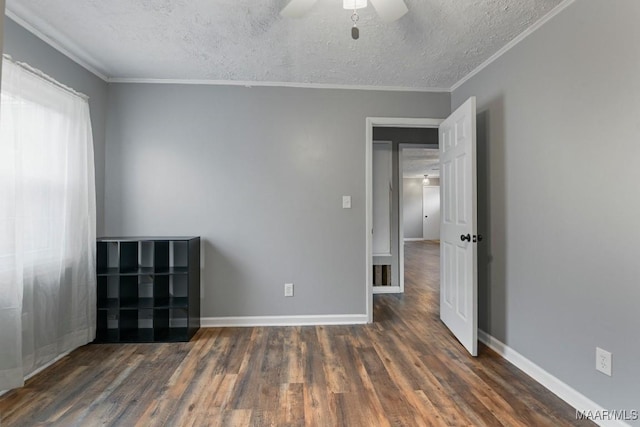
405 369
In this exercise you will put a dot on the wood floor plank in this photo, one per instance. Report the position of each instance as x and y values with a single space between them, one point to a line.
296 353
405 369
246 388
338 365
291 413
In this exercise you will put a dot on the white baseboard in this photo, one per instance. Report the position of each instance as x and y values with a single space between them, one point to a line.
382 255
565 392
413 239
386 290
312 320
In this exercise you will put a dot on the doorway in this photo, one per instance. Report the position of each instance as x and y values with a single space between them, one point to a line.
400 156
389 124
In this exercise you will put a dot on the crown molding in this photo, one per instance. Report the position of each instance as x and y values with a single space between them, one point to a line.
526 33
248 83
67 49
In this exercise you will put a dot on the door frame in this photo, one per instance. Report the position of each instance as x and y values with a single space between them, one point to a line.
370 123
423 213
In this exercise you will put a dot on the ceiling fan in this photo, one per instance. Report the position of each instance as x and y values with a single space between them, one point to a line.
388 10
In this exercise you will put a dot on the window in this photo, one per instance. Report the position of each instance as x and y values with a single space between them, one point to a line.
36 157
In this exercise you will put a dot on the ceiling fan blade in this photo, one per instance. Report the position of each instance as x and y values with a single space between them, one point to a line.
390 10
297 8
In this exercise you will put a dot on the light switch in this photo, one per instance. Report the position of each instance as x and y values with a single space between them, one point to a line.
346 202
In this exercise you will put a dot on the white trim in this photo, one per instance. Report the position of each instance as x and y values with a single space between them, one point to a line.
401 122
400 218
370 122
302 85
523 35
565 392
73 53
387 290
306 320
414 239
368 219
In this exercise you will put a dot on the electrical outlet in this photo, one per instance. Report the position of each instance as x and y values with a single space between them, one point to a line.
603 361
288 289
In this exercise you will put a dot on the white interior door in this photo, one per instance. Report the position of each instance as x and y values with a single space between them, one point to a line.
430 213
458 228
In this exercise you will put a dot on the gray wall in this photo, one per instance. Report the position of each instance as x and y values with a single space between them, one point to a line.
412 207
559 270
24 46
259 173
1 30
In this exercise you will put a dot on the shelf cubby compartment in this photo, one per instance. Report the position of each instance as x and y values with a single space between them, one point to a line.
128 292
107 257
161 324
145 318
179 285
178 323
107 292
128 257
179 254
128 325
161 256
145 286
160 289
146 254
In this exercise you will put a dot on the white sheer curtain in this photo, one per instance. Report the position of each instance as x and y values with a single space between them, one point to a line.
47 223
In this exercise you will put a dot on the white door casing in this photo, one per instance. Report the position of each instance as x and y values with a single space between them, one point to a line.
430 213
458 258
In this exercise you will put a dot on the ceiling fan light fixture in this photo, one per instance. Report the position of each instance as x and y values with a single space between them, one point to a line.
354 4
425 181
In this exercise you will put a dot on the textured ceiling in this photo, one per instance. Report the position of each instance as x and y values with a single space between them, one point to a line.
433 46
418 162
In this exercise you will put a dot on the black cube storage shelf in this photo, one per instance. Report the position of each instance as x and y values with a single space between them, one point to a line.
148 289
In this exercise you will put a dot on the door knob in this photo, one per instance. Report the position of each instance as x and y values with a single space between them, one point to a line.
467 237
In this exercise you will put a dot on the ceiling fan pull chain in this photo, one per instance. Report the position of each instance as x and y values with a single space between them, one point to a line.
355 32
